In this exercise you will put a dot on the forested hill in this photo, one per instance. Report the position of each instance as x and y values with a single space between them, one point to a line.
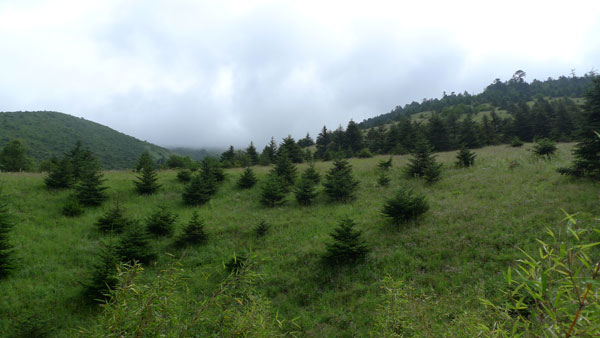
500 95
46 134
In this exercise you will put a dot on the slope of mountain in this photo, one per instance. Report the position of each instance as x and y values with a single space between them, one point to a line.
46 134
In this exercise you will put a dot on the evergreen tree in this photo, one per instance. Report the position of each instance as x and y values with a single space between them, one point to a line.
147 183
544 148
347 245
161 222
135 245
6 249
89 190
469 133
113 220
323 141
305 191
269 153
184 175
247 180
515 142
291 149
272 191
340 184
61 175
72 207
13 157
200 189
261 229
422 161
210 166
104 276
228 157
405 206
383 179
311 174
354 138
438 134
193 233
587 150
80 158
385 165
306 142
465 158
285 170
252 154
144 161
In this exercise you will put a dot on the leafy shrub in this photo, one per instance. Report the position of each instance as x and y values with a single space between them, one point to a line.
405 206
347 245
161 222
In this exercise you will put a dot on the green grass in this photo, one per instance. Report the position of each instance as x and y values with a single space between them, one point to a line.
479 219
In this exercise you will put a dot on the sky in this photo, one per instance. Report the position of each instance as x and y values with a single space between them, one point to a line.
209 74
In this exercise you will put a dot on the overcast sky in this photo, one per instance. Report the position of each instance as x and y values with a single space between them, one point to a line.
214 73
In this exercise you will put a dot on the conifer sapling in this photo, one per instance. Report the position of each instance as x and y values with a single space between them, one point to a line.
193 233
247 180
405 206
6 249
347 245
340 184
161 222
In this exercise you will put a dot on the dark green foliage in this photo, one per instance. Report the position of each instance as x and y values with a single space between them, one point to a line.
144 161
13 158
236 264
291 150
135 245
587 150
104 275
184 175
405 206
247 180
72 207
365 153
113 220
311 174
60 175
305 191
385 165
383 179
252 154
210 166
89 190
273 191
147 183
32 324
81 157
269 153
347 245
340 184
161 222
353 138
261 229
285 169
200 189
228 157
465 158
516 142
422 163
6 249
544 148
306 142
193 232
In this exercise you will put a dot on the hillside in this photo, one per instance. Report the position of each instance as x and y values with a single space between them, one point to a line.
480 220
46 134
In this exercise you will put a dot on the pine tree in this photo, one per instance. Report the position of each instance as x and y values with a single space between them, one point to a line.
291 149
385 165
544 148
311 174
80 158
340 184
247 180
104 276
113 220
72 207
285 170
161 222
144 161
6 249
61 175
354 138
587 151
405 206
193 233
184 175
323 141
423 162
228 157
465 158
252 154
272 191
305 191
383 179
89 190
200 190
135 245
147 183
261 229
13 158
347 245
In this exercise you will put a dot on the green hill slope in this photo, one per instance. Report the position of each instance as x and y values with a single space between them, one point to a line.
46 134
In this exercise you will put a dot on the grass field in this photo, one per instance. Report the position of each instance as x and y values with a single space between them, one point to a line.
479 219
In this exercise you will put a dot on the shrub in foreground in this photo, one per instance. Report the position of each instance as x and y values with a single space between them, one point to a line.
347 245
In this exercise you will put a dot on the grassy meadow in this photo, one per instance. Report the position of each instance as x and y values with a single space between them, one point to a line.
478 221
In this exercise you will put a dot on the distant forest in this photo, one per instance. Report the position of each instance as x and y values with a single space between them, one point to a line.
505 112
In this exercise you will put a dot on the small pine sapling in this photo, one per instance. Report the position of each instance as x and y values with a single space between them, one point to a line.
340 184
113 220
432 173
72 207
515 142
89 190
193 233
236 264
347 245
385 164
135 245
161 222
261 229
465 158
312 174
544 148
305 191
200 189
405 206
247 180
60 176
6 249
184 175
104 276
383 179
147 183
272 191
422 163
